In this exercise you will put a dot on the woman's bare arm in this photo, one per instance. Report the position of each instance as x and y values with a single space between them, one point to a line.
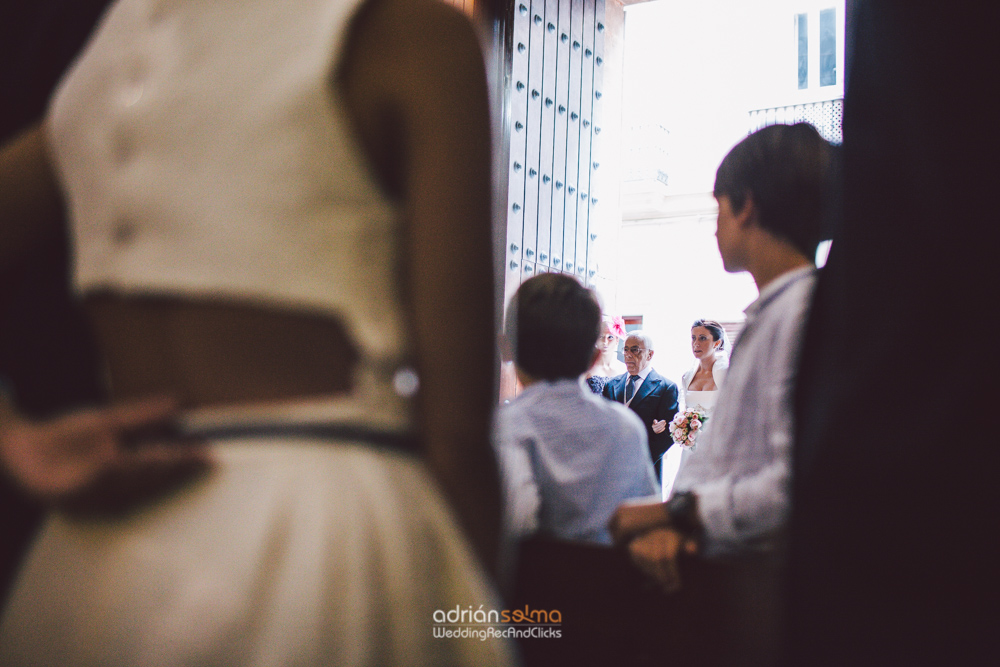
30 203
416 86
79 461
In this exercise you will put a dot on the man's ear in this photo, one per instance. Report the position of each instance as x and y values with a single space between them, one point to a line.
747 215
650 354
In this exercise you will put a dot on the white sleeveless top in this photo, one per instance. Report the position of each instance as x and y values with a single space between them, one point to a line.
705 399
205 152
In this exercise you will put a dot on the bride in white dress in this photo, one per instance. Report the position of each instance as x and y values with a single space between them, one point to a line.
700 385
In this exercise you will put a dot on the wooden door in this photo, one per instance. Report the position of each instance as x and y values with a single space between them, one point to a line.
553 96
556 56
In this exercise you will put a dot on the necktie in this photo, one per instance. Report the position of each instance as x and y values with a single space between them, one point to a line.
630 387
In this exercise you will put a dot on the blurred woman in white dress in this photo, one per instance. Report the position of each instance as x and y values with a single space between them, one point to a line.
275 214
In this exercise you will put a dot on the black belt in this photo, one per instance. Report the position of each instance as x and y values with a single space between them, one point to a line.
401 442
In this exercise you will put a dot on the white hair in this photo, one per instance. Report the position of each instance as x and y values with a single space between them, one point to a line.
646 339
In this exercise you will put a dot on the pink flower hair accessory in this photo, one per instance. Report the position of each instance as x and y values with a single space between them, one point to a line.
617 326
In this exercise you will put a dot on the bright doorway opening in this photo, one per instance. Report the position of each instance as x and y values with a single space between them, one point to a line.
697 78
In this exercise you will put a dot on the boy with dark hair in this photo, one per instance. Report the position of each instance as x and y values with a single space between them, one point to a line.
772 190
731 498
553 322
785 170
568 456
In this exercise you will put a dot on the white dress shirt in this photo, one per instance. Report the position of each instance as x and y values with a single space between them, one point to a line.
740 469
638 383
569 457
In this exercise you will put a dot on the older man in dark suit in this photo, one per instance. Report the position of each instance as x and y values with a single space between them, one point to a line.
649 394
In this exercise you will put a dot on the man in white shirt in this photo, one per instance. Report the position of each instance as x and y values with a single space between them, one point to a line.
731 496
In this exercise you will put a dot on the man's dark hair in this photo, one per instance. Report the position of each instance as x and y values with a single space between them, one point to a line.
554 322
788 171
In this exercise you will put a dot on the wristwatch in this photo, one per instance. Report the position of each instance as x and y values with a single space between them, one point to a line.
683 510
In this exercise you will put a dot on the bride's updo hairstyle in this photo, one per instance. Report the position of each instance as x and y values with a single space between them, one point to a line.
788 171
718 333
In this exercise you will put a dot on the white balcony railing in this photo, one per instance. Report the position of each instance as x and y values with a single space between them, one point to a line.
825 116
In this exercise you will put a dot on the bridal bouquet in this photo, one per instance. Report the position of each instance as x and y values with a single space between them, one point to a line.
687 424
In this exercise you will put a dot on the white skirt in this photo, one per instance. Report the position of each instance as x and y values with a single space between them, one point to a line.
293 551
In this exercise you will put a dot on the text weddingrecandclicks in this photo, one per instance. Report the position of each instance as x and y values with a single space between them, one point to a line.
491 632
483 624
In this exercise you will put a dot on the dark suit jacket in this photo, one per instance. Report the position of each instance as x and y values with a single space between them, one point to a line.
656 399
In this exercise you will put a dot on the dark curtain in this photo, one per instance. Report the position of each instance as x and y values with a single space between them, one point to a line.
894 551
